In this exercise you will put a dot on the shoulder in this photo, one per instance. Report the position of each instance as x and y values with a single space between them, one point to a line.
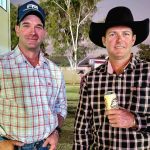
98 70
142 68
54 69
6 55
95 73
52 65
142 64
5 58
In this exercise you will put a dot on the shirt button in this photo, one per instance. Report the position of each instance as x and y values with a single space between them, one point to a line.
48 84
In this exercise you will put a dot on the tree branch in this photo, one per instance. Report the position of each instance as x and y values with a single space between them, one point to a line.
86 16
60 7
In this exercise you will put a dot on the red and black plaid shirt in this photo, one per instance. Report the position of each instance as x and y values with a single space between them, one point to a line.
133 92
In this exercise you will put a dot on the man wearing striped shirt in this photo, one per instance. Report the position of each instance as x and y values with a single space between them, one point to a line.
32 89
126 127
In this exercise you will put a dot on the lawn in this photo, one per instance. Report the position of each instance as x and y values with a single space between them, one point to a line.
66 139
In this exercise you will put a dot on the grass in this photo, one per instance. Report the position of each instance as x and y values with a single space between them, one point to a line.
66 139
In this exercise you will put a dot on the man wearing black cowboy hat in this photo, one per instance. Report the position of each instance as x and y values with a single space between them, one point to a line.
126 127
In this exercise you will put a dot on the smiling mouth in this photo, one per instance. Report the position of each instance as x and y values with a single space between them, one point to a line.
32 39
119 47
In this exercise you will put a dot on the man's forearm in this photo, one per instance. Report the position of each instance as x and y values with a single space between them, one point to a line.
60 120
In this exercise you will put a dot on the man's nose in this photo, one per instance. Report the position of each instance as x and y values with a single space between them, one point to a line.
119 37
33 31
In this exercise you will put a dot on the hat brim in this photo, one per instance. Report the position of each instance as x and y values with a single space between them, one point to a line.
139 28
36 13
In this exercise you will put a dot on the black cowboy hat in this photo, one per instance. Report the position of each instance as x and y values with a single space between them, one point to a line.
115 17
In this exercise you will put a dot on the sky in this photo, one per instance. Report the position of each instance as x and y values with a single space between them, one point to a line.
140 9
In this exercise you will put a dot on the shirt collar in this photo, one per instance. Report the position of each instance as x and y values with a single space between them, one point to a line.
20 58
109 68
106 67
130 65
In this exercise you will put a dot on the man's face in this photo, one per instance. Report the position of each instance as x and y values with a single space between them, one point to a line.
118 41
30 32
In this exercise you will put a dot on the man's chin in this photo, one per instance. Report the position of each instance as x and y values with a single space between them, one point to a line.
32 48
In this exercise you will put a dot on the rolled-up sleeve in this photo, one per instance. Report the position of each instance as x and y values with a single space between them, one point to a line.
61 102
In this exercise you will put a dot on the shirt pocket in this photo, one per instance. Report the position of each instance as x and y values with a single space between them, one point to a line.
140 98
11 87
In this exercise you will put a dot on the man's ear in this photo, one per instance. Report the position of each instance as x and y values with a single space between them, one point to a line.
103 41
17 30
134 39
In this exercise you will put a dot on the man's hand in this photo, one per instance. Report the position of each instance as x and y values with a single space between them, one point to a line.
9 144
120 118
52 140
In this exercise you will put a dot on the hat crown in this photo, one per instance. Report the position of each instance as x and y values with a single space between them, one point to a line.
119 14
28 8
28 5
32 6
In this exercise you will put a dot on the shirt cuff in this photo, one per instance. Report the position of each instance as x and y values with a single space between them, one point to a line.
141 122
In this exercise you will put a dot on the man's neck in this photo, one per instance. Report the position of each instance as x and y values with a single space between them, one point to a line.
33 59
119 65
31 56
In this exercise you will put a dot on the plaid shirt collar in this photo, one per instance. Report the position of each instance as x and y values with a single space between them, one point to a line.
106 67
20 58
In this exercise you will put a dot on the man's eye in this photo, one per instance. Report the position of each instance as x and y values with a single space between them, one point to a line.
127 34
39 27
25 25
112 34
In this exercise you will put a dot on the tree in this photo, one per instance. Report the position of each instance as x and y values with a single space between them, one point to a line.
68 23
144 52
13 12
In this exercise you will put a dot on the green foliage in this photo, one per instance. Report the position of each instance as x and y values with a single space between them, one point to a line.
72 92
63 23
72 89
13 16
81 53
55 25
144 52
59 60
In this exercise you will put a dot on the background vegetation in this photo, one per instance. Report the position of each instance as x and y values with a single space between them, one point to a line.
66 139
144 52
